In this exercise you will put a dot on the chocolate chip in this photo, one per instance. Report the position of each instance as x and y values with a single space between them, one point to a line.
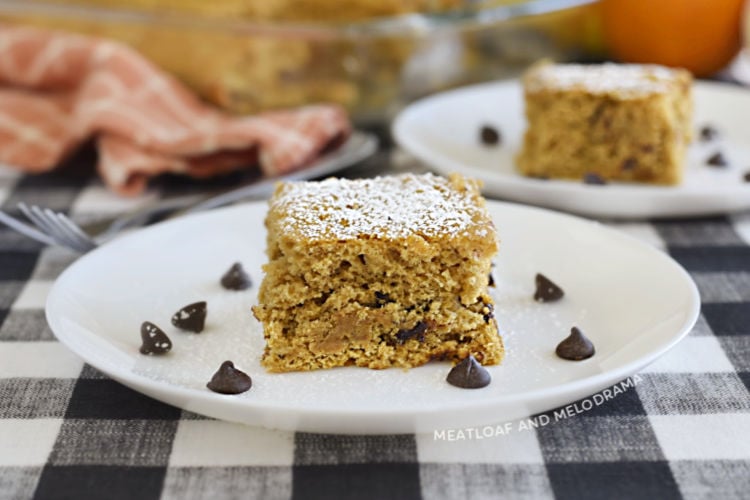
490 281
230 380
629 164
324 296
418 331
155 341
236 278
192 317
575 347
382 299
489 135
546 290
746 177
488 312
708 133
717 160
469 374
598 112
592 178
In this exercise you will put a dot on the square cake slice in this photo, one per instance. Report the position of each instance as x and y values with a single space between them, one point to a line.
383 272
620 122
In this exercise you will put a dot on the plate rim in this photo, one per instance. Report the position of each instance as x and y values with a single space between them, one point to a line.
588 384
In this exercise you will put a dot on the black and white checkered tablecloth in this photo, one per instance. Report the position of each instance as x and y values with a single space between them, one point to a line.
66 431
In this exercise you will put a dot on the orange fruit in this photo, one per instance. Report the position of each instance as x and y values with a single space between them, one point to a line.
699 35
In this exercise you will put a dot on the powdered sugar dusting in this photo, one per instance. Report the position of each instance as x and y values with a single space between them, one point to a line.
625 79
383 207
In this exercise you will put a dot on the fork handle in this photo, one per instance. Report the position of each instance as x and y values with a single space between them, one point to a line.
26 230
140 216
191 204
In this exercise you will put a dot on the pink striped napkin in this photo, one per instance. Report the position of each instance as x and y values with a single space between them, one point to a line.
58 90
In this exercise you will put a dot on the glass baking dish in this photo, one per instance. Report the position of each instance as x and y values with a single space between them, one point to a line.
372 66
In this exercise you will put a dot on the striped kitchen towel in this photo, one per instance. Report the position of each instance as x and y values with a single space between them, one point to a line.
59 90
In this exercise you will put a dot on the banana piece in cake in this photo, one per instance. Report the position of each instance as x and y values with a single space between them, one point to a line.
383 272
621 122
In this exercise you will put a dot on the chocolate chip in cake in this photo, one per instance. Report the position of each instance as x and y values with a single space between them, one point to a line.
575 347
598 112
629 164
708 133
236 278
489 135
230 380
546 289
469 374
154 340
488 312
382 299
491 281
191 318
324 296
595 179
418 331
717 160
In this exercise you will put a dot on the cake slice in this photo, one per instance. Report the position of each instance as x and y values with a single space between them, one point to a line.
383 272
620 122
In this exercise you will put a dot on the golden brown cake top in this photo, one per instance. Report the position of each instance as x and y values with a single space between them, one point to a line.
386 208
622 80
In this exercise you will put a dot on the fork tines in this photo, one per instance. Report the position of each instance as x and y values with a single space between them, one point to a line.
59 227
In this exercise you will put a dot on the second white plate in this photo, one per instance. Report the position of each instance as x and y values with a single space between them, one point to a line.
443 131
633 311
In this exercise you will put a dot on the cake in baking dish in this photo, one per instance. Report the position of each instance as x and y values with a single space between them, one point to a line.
617 121
248 56
383 272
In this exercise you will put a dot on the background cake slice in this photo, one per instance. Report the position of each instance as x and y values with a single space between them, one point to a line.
383 272
621 122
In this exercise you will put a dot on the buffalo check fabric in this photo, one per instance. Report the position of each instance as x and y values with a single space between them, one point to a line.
679 429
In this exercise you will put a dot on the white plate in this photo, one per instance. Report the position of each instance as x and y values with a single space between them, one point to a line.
443 131
633 301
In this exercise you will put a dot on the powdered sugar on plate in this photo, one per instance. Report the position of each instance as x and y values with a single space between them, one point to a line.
231 333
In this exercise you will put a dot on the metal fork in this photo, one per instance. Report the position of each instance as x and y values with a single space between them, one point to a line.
56 229
59 228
